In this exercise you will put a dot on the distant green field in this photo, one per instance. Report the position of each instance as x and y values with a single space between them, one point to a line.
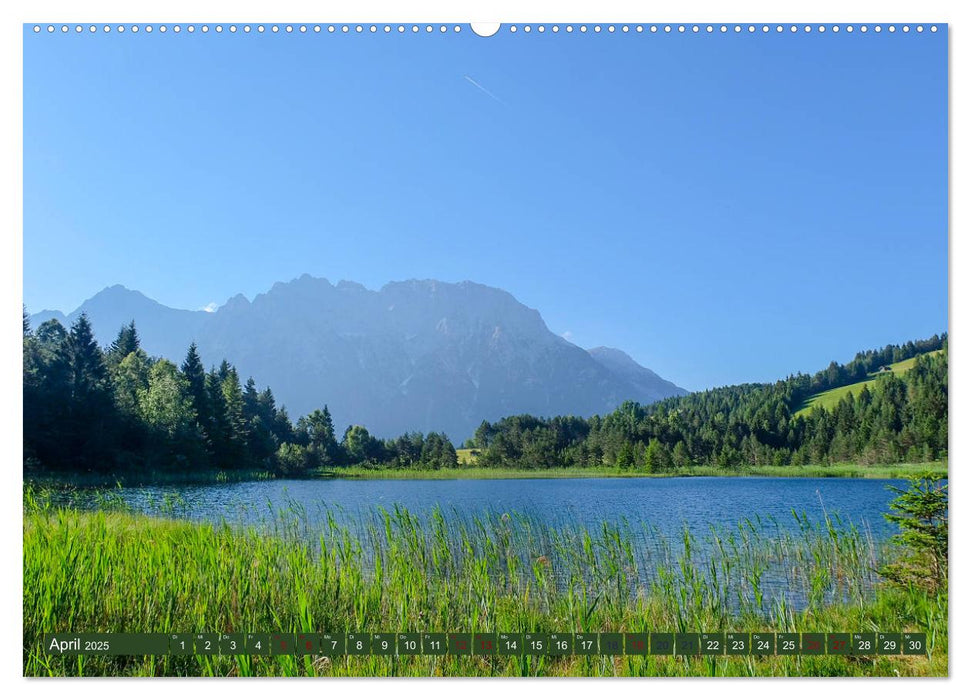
467 456
830 399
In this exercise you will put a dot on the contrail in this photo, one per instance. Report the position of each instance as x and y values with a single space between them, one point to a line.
485 91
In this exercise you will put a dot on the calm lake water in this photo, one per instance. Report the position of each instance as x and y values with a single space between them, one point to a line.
737 527
668 504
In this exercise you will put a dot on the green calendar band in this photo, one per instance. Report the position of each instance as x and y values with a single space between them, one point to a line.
552 644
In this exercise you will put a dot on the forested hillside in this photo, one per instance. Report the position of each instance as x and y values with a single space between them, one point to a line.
900 419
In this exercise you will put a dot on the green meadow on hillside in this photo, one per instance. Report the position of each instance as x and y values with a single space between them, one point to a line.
466 456
830 399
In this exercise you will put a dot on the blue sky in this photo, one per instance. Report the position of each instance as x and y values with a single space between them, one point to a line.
725 208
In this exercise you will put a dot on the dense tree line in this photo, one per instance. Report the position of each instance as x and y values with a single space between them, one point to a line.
895 419
115 409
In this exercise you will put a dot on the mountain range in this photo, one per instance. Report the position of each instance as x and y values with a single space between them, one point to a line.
415 355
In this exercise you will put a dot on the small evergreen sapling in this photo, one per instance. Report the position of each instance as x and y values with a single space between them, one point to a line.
920 511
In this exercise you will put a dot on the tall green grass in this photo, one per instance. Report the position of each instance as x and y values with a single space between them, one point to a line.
392 571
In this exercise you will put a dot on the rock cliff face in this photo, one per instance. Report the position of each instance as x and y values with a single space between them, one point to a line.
416 355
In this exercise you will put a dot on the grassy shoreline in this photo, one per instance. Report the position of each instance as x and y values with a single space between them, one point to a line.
895 471
886 471
122 572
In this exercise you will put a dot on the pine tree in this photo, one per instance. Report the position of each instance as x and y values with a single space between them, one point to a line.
89 376
921 512
282 427
219 439
251 400
92 416
224 370
320 434
195 376
236 428
126 343
259 414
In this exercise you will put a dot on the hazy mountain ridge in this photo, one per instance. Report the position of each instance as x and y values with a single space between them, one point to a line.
648 383
414 355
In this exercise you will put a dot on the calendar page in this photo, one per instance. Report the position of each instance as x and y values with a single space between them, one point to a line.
450 349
